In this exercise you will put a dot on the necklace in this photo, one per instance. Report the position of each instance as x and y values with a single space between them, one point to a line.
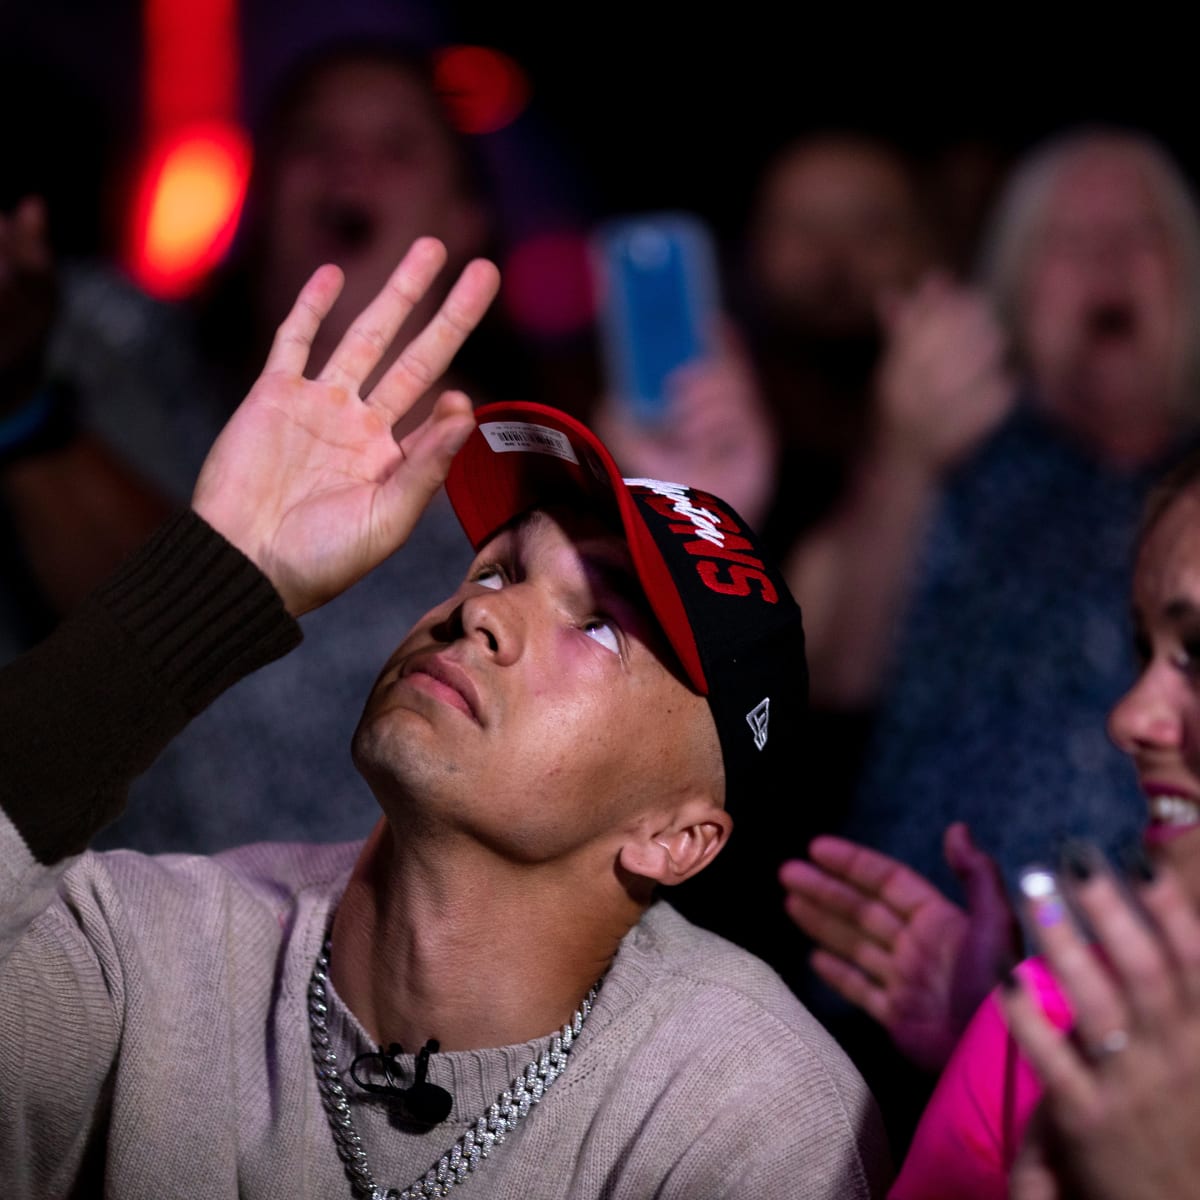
465 1156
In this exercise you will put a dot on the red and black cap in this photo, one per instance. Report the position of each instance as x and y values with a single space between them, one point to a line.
724 607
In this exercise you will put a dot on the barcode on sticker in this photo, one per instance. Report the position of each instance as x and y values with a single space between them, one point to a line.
505 437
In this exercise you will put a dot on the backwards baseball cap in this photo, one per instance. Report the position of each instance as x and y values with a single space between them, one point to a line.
722 605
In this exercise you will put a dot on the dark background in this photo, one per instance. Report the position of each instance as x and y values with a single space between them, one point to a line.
632 107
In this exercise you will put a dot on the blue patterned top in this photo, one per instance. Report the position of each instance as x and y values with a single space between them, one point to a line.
1017 644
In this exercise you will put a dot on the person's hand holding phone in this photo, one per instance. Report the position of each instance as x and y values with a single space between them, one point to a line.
681 400
715 434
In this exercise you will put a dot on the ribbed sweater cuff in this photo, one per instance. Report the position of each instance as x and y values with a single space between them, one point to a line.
85 712
203 613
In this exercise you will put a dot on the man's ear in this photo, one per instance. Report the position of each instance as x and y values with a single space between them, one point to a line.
684 842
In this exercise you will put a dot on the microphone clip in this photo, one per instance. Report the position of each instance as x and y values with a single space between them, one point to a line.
421 1102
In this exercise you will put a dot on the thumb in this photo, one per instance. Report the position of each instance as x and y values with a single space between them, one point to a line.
983 884
428 452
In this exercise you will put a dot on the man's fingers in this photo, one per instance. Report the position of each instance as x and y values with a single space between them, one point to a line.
294 337
371 333
428 355
426 456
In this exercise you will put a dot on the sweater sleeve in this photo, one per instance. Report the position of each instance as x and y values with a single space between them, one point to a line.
89 709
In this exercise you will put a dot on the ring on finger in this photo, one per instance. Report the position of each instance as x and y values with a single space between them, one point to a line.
1113 1042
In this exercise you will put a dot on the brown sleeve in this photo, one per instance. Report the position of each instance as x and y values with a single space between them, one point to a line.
89 709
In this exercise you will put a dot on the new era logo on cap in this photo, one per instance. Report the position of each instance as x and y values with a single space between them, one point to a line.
756 718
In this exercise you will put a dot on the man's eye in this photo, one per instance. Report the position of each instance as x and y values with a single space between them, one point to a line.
604 632
489 577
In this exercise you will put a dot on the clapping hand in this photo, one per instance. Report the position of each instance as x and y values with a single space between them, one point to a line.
307 478
1120 1115
893 944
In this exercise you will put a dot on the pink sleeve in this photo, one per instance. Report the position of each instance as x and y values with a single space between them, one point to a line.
969 1133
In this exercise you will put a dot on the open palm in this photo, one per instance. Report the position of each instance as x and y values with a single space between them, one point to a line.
307 479
894 945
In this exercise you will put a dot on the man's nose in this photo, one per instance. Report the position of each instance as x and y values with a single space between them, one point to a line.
494 619
1148 715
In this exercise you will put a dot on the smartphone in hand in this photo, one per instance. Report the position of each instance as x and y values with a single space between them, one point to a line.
658 300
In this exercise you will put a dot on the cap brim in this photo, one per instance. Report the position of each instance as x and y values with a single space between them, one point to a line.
523 456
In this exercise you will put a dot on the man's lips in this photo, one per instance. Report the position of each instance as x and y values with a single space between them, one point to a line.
447 681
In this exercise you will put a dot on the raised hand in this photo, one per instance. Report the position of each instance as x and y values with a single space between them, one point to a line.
307 479
942 385
1121 1105
894 945
717 436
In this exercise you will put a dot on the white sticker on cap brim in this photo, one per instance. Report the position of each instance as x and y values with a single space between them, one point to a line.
506 437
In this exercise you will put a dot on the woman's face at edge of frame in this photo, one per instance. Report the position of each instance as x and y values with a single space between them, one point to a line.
1157 722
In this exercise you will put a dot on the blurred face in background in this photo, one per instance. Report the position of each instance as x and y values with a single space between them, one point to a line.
1102 309
364 165
837 225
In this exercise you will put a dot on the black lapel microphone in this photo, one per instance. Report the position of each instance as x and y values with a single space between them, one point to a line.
421 1101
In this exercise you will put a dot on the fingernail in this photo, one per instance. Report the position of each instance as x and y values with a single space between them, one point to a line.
1079 859
1139 866
1040 888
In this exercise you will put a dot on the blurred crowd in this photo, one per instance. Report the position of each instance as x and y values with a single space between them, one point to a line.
946 423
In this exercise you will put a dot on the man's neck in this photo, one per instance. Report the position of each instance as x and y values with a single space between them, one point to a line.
430 943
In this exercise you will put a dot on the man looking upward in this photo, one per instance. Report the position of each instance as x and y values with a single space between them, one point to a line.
487 985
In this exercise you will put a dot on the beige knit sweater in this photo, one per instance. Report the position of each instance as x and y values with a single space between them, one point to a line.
153 1031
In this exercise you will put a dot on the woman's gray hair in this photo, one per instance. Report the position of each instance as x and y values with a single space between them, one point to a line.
1016 222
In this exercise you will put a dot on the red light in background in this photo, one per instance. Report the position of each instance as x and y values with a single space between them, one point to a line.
548 284
484 89
192 60
188 205
191 180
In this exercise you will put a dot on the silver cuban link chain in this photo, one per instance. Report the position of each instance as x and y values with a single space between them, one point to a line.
465 1156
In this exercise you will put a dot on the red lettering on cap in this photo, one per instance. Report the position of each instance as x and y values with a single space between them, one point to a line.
728 551
739 581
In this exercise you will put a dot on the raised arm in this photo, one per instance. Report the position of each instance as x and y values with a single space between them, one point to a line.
941 390
308 483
